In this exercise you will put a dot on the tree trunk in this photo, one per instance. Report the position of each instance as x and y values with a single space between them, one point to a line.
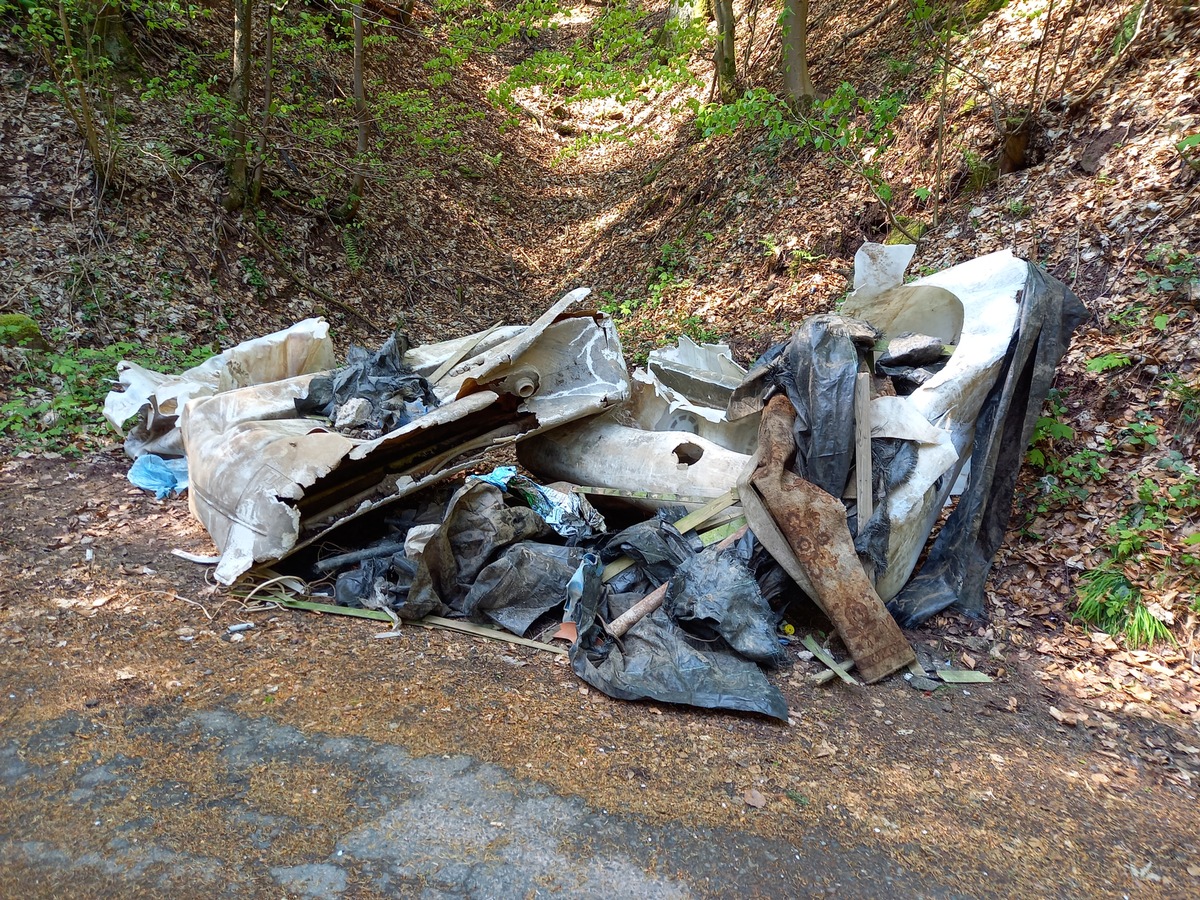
723 56
239 101
114 39
101 152
349 209
680 16
796 80
260 154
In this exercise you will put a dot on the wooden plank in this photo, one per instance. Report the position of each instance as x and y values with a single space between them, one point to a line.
658 496
962 676
862 448
437 622
707 538
706 512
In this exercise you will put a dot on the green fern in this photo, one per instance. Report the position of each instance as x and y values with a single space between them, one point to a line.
1108 361
355 247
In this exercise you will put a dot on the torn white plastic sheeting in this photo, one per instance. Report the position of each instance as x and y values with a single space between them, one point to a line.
262 478
501 359
988 289
687 388
157 399
603 453
881 297
879 268
429 359
894 417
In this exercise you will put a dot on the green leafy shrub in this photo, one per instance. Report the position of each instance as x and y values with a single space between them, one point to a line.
55 398
1108 361
1048 429
1110 602
850 128
1174 270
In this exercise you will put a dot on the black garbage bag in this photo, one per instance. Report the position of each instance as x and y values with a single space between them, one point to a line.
527 581
658 660
714 595
396 393
656 547
365 586
774 583
892 461
477 528
961 558
377 583
817 369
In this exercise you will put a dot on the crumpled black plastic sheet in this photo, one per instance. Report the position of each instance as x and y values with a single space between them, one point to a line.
377 583
397 394
656 548
489 559
477 527
658 660
961 558
817 368
526 582
714 595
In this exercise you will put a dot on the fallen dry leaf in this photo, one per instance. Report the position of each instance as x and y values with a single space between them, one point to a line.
753 797
1064 718
824 749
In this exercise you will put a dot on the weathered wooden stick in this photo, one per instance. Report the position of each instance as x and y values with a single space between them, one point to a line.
652 601
648 604
839 669
827 675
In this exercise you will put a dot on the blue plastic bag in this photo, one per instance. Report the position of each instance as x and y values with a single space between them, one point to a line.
163 476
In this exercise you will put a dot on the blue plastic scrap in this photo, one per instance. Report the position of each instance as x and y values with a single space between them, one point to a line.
570 515
163 476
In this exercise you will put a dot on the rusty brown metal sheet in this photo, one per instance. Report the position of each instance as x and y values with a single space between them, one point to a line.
813 523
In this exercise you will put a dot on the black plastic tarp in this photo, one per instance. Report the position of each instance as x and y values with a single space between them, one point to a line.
658 660
479 527
396 393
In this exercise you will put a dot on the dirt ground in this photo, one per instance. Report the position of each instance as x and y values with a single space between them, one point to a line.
146 750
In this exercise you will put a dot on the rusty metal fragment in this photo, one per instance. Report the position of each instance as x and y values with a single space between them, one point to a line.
819 552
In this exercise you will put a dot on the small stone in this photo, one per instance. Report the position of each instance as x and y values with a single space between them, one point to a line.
912 350
921 683
354 413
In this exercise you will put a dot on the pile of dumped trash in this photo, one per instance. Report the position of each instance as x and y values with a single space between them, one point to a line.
664 522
